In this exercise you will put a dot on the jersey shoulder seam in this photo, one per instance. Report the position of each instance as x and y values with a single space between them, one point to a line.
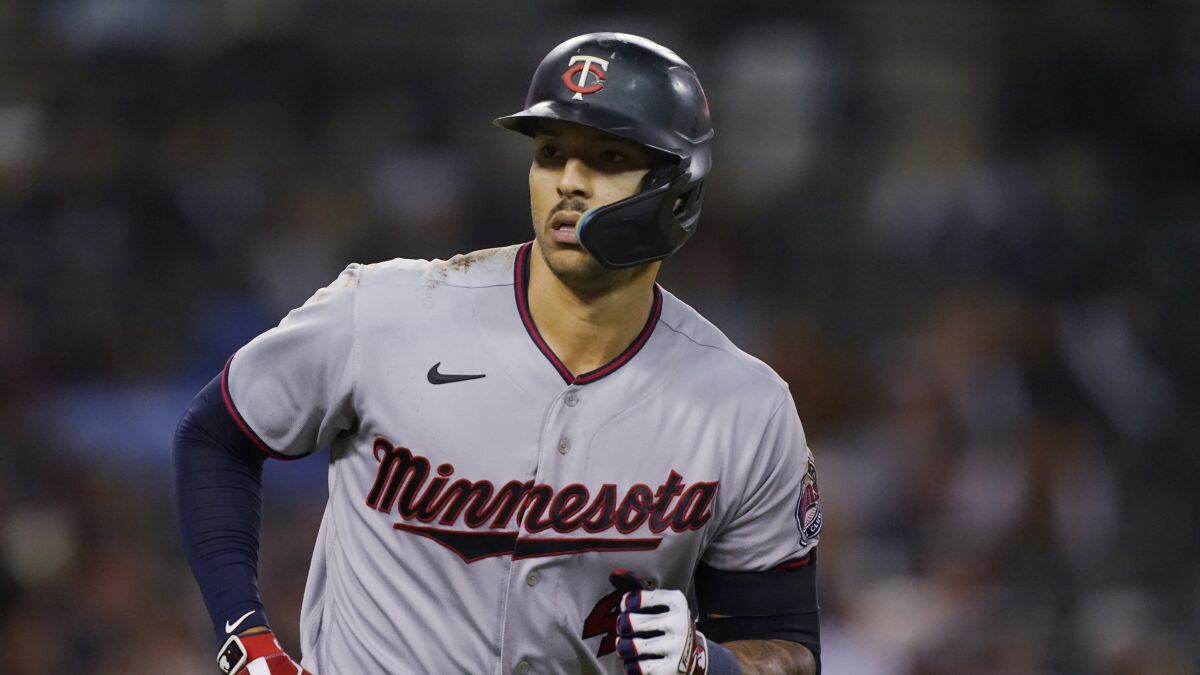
691 339
733 352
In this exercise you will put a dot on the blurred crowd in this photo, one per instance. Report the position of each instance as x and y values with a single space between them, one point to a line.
967 233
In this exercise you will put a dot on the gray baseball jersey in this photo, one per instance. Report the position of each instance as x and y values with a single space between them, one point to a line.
479 494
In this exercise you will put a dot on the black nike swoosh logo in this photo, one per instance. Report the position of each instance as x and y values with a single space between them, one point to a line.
444 378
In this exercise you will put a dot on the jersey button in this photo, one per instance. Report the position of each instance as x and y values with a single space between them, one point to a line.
564 446
522 668
572 399
533 578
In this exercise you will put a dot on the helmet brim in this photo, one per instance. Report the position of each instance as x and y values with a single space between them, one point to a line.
607 121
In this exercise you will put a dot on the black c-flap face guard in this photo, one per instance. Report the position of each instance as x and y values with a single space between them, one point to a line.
646 227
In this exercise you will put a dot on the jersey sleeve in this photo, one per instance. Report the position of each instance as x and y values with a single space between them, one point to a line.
290 388
777 515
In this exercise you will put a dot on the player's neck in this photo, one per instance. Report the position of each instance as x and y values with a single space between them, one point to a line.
586 332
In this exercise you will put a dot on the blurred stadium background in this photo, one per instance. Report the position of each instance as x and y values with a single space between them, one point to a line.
967 232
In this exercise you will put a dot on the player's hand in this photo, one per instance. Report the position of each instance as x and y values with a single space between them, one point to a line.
656 634
257 654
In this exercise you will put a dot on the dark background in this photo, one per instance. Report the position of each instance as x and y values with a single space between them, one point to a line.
966 232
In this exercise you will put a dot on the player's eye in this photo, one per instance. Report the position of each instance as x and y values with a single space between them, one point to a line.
548 152
612 157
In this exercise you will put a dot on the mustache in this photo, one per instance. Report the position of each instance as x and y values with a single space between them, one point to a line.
567 205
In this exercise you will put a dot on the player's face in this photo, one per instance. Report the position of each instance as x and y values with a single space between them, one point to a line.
575 169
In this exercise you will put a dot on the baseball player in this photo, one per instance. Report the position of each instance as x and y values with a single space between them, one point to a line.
540 460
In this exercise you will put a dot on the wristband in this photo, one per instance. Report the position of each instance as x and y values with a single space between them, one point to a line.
239 650
721 661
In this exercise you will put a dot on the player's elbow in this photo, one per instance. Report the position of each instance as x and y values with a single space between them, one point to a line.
774 657
805 662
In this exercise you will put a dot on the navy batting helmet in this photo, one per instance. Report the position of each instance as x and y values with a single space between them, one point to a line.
638 90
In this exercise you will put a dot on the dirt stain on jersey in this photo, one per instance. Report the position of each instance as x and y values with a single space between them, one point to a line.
440 270
498 256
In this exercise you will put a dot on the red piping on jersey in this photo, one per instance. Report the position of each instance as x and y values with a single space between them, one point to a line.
521 287
796 564
241 422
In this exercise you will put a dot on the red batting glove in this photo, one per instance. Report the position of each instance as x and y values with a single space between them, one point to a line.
258 654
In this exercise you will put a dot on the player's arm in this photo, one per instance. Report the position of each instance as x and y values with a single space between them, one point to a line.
218 506
750 623
657 636
772 657
769 620
218 487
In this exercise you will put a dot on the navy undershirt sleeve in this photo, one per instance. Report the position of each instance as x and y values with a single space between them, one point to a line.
777 604
218 504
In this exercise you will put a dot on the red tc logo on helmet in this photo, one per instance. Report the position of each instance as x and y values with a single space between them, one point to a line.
577 76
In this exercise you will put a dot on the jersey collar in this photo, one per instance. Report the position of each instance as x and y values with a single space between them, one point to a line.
521 288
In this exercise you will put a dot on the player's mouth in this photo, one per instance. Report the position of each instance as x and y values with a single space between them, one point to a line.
562 227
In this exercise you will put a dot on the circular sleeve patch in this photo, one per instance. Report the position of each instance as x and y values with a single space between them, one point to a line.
808 511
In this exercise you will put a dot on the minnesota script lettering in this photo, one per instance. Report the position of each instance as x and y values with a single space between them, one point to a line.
406 483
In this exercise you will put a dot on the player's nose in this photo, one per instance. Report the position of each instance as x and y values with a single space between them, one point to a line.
575 179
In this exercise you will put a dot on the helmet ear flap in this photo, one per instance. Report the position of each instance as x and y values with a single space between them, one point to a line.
687 205
659 177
